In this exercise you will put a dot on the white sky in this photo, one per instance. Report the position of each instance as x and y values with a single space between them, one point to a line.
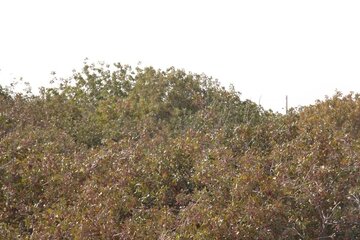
268 49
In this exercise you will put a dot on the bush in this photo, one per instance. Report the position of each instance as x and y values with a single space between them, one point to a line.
117 153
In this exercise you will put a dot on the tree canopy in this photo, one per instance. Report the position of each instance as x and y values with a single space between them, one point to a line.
120 153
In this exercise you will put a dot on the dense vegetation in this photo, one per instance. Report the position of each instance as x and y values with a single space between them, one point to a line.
117 153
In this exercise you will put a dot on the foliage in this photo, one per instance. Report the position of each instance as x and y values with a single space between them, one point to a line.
117 153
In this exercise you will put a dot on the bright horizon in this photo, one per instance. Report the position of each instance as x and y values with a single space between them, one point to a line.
266 49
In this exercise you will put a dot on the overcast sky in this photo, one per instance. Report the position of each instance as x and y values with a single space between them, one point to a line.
268 49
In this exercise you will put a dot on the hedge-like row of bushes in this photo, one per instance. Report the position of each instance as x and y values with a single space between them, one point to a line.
121 153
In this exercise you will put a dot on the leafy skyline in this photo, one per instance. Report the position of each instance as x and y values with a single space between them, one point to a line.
121 153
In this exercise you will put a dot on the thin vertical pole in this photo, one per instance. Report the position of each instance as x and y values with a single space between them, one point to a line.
286 105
